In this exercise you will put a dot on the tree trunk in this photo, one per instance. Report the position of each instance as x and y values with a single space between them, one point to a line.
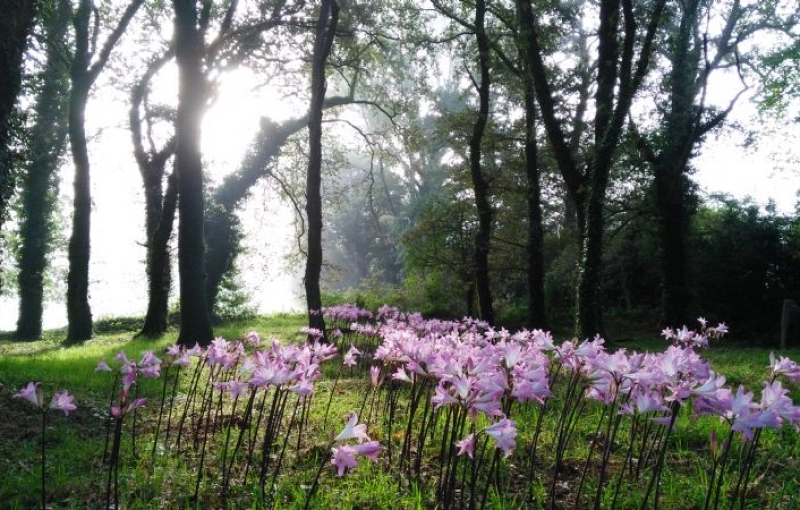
159 206
16 24
83 73
589 317
479 184
536 316
195 321
79 314
326 29
223 234
40 182
159 268
682 133
617 80
673 227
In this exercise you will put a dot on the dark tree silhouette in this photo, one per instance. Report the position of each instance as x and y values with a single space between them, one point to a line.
87 64
480 185
160 205
323 42
536 317
195 320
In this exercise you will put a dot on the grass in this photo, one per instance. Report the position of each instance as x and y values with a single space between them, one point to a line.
76 474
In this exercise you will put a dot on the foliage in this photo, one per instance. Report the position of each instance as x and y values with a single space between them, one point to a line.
747 264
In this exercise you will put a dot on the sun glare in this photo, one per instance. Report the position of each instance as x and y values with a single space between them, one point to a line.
231 123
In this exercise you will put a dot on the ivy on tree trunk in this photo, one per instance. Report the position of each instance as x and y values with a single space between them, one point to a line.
39 188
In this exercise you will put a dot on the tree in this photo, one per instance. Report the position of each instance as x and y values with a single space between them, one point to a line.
480 184
160 205
323 42
16 24
87 64
693 54
39 181
195 320
617 76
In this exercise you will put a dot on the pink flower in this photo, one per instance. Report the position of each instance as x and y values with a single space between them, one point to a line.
375 374
102 366
63 401
369 450
785 367
303 388
253 339
31 393
466 445
352 430
504 433
343 457
118 412
150 365
237 388
402 375
350 357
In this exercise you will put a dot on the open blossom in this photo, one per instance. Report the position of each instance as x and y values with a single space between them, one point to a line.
353 430
253 338
466 445
504 433
785 367
350 357
63 401
369 450
344 457
119 411
31 393
150 365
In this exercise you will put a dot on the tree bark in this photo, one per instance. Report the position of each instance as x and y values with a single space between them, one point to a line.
40 181
323 42
159 206
480 185
195 321
16 24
